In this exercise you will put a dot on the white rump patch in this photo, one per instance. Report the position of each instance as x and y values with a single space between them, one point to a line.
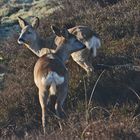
53 89
52 80
93 43
52 77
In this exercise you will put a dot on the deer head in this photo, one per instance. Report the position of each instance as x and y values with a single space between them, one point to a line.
66 41
28 33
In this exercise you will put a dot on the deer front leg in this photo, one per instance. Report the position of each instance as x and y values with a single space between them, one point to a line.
43 102
86 66
84 60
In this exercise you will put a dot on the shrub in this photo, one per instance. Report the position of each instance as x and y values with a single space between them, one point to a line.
20 109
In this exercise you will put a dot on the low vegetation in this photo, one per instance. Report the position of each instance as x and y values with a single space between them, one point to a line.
113 112
10 10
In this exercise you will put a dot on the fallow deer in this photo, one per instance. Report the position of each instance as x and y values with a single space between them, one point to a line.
50 73
40 46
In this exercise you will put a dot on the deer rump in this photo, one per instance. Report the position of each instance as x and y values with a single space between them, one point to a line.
51 72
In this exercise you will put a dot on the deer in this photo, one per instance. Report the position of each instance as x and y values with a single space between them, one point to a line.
40 46
51 74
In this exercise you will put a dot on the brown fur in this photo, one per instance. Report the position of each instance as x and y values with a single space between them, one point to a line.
46 64
82 32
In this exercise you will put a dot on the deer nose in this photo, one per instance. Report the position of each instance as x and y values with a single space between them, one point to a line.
21 40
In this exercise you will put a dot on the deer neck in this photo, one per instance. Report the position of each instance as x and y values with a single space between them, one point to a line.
62 54
42 46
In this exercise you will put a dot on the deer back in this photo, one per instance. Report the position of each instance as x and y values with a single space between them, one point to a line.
83 32
46 64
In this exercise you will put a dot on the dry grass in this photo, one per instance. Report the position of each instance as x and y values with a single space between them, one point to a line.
111 112
114 124
10 11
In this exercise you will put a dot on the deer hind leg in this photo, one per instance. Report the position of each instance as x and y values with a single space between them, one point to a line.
51 103
61 96
43 95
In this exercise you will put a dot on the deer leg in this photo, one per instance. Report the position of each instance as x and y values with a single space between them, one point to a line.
61 96
43 102
89 68
51 102
86 66
84 59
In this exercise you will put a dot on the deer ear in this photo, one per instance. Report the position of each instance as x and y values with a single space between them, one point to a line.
56 30
65 33
35 23
22 22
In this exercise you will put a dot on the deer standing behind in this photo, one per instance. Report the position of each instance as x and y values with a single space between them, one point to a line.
40 46
50 73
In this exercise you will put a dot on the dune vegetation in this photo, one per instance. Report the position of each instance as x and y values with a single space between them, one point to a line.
113 111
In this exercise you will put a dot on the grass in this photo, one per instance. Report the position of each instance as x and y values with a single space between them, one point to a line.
111 113
115 123
9 12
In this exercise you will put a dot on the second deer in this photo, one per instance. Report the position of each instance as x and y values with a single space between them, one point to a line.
40 46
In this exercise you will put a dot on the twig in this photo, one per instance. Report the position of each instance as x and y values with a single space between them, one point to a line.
134 118
114 107
86 102
126 66
94 88
99 107
134 92
83 132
